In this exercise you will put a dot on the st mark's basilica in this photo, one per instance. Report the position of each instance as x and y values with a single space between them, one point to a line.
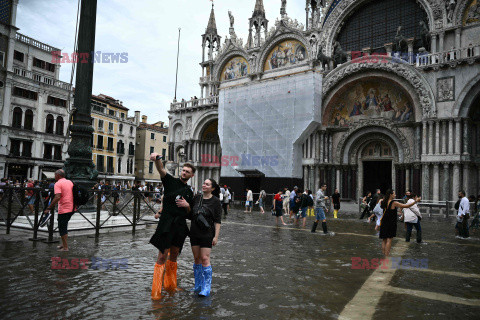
360 94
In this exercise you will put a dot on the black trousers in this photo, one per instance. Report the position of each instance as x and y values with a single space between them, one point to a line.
225 208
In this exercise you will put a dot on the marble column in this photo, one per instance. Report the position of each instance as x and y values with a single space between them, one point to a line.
466 178
458 38
441 38
446 182
407 178
311 178
434 43
444 137
322 147
456 180
458 138
338 182
466 137
437 137
418 142
410 49
426 182
330 148
317 179
360 180
430 137
450 138
424 138
436 182
305 178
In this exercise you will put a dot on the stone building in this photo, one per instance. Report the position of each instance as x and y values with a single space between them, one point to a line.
35 104
361 95
151 138
113 141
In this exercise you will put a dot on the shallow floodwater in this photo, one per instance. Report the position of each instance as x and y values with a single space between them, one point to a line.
259 272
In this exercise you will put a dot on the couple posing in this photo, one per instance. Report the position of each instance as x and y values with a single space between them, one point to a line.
180 204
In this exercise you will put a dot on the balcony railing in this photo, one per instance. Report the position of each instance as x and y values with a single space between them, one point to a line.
194 103
35 43
39 77
449 56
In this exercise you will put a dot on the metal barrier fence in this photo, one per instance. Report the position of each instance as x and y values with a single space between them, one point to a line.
28 205
431 208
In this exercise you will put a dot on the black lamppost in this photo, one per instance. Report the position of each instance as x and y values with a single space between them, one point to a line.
79 167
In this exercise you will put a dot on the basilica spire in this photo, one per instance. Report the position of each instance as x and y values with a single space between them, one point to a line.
257 22
211 39
212 24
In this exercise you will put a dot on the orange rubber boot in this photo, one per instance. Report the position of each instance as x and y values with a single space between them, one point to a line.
157 281
171 276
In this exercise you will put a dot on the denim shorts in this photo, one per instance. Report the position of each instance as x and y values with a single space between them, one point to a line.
319 214
31 200
302 213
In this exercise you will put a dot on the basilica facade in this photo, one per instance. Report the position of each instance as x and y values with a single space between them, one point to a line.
360 95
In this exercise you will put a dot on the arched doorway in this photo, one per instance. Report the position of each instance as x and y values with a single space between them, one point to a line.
377 161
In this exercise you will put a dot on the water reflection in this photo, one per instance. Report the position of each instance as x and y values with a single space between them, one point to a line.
267 273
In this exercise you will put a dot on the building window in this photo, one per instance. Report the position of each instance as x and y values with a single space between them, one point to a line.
28 124
43 65
15 147
111 112
110 144
110 165
123 115
47 151
27 149
98 107
152 136
152 150
131 149
119 166
110 127
23 93
150 167
164 138
49 124
120 127
57 152
375 24
2 58
59 129
56 101
128 166
131 166
100 164
164 153
131 130
19 56
100 124
100 142
120 147
17 118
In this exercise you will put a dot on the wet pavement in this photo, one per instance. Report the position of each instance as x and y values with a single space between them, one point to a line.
260 271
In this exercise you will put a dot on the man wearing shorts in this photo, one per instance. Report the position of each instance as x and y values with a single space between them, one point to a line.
320 209
63 190
249 202
172 227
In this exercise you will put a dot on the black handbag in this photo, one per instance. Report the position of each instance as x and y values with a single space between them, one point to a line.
201 217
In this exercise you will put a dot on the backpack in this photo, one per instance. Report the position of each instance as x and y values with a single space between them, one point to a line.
80 196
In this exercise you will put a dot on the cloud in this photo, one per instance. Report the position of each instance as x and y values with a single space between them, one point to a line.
147 30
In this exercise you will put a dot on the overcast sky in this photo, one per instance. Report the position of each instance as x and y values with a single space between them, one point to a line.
147 30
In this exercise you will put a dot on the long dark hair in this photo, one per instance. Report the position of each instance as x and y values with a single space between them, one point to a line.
216 190
386 198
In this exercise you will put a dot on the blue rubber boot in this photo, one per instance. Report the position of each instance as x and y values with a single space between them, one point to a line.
198 274
207 282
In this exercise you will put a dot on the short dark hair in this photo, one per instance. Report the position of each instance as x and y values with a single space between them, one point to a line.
189 165
462 192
